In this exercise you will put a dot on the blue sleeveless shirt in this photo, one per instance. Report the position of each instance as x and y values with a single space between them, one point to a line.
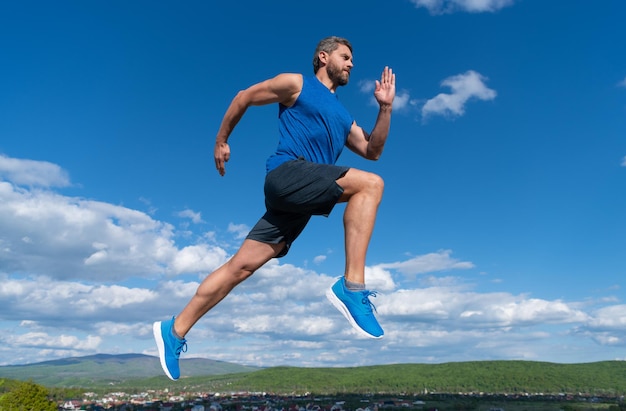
315 127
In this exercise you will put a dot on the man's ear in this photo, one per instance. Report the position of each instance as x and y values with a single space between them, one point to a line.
323 56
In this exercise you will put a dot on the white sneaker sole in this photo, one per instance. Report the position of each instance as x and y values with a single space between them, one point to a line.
156 330
339 305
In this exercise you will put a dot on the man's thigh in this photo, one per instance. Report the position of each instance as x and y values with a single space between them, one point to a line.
355 181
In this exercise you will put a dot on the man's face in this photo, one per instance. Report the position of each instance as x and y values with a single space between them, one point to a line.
339 65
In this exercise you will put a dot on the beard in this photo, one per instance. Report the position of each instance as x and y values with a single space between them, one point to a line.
337 75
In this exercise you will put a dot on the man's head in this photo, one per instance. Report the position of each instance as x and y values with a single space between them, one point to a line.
328 45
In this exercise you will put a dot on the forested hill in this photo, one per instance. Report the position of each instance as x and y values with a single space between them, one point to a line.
498 377
600 378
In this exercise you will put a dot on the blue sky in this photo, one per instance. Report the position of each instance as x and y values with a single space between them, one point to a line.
500 235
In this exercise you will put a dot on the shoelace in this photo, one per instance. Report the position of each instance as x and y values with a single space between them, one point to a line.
366 301
181 347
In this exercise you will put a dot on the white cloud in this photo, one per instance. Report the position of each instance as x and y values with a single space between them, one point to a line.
70 301
470 6
378 278
198 258
128 329
466 86
32 173
402 101
196 218
622 83
286 323
428 263
280 314
606 326
45 340
319 259
45 233
623 161
609 318
72 237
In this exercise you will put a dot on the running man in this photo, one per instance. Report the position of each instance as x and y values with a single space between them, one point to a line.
302 180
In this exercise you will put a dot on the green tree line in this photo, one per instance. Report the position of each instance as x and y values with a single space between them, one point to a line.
498 377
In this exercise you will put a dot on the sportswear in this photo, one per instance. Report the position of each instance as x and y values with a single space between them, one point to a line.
315 127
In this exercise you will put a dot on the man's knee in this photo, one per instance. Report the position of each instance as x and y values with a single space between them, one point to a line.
372 185
359 181
378 183
251 256
375 184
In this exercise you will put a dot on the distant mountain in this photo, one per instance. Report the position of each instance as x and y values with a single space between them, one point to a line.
105 368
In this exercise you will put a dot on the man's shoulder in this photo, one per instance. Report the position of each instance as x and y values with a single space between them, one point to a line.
290 79
288 86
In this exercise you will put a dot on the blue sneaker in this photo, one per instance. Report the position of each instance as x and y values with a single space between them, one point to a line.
169 347
356 307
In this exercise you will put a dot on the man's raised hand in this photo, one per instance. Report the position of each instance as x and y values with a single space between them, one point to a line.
385 90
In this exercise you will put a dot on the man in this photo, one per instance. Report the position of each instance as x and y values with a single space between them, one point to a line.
302 180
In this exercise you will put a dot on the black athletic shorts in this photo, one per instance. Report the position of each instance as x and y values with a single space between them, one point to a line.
295 191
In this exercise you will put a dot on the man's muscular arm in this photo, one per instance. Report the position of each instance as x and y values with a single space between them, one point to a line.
284 89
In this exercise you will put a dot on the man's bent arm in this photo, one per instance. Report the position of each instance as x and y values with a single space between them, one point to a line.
371 145
283 88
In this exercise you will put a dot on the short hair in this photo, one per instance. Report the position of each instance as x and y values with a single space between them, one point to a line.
328 45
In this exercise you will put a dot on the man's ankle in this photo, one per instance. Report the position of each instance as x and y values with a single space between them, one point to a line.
352 286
